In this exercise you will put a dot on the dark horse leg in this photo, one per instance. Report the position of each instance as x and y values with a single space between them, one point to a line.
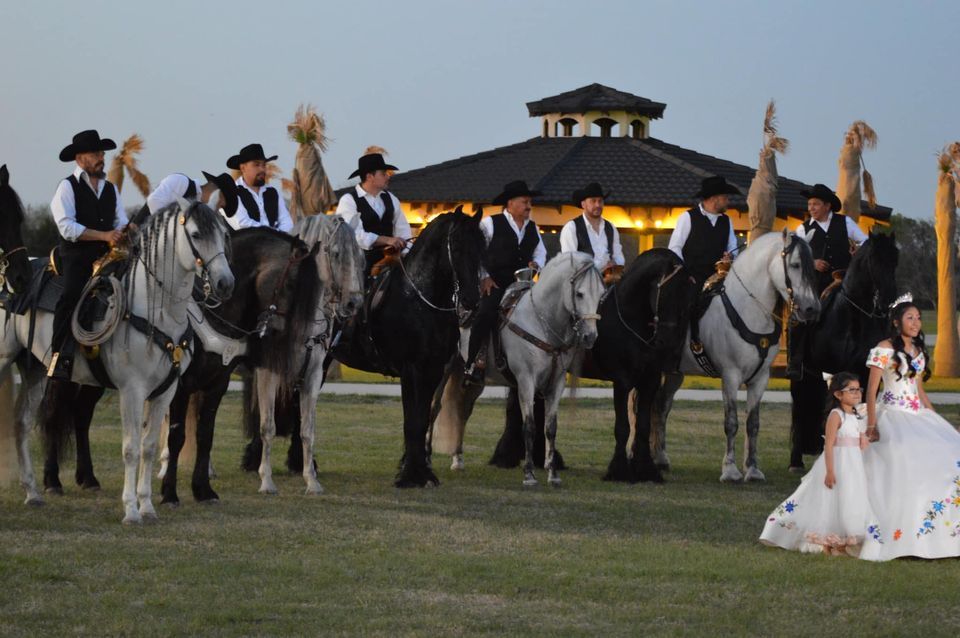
806 418
510 449
208 405
642 467
251 427
619 466
56 407
418 384
176 437
86 403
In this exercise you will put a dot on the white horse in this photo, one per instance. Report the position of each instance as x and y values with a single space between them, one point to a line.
541 335
340 267
149 344
740 334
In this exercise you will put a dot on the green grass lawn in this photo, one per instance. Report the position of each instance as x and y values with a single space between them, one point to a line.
479 555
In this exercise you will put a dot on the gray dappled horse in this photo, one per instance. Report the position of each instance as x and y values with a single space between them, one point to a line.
740 335
550 323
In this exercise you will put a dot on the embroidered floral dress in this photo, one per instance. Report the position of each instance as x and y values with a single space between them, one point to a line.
819 519
913 471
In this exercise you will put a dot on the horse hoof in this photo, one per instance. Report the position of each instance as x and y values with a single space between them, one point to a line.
530 481
797 469
457 463
92 485
730 474
34 501
132 519
554 481
754 474
314 490
149 518
269 490
56 489
172 504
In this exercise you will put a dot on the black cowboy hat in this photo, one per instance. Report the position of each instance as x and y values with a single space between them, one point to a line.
821 192
248 153
228 188
592 189
371 163
86 142
514 189
716 185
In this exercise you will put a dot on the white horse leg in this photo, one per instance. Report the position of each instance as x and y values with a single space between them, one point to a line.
267 386
526 392
156 409
131 416
662 405
551 404
754 395
165 452
308 421
729 472
27 402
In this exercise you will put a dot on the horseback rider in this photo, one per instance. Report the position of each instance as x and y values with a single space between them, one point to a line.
259 205
374 212
513 242
704 234
833 239
178 185
90 217
590 233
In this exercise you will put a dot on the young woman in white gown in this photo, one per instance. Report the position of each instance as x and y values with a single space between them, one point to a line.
913 462
830 513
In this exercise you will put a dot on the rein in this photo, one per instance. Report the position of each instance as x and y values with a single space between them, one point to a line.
5 263
656 308
456 281
873 314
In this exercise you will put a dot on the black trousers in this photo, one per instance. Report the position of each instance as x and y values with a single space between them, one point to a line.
76 266
484 322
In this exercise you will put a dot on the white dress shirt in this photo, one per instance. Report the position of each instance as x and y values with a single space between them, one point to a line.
598 241
682 232
347 208
539 253
853 231
171 188
64 206
242 219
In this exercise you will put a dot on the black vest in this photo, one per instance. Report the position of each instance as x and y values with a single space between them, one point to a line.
583 239
832 246
373 223
96 214
271 199
191 192
705 245
504 254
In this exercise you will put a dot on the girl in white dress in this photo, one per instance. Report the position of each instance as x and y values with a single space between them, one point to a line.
830 513
913 465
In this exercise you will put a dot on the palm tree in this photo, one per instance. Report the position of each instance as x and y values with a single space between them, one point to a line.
126 159
946 356
309 186
857 137
762 198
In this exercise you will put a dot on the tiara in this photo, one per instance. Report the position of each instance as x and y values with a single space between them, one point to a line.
904 298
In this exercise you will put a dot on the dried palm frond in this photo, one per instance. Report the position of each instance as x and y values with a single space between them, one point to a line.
861 136
762 196
308 127
289 186
273 172
376 149
772 140
868 189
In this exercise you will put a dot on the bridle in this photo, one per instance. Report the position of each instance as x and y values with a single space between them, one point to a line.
656 308
5 263
788 284
578 320
205 288
456 280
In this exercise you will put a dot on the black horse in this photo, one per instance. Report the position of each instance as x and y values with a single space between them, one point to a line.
853 319
642 326
414 332
270 267
14 262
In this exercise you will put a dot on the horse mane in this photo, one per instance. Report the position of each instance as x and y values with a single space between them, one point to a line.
9 200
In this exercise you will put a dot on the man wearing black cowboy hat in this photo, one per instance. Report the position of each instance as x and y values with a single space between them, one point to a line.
177 185
704 234
89 215
259 204
374 212
513 242
589 232
832 238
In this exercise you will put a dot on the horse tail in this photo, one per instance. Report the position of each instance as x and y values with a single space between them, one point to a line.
9 466
192 417
451 413
56 421
251 407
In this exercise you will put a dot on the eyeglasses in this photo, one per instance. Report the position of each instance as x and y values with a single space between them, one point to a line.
852 390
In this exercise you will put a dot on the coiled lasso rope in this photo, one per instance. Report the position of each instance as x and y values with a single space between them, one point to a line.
116 308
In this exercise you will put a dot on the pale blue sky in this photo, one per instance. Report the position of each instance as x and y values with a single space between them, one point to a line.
432 80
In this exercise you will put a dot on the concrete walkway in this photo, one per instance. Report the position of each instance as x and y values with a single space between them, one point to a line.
500 392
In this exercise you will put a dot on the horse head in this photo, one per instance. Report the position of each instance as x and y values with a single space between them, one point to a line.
873 268
339 261
14 263
794 275
581 298
658 290
457 243
206 250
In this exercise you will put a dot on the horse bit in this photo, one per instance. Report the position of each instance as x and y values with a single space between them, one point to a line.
5 263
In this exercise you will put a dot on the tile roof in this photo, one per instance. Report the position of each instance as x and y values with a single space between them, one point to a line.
646 172
596 97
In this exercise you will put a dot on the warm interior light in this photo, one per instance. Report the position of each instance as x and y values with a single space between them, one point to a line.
658 223
638 223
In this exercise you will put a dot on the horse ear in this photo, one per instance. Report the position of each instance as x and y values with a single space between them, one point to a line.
458 209
214 198
478 214
4 175
785 234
